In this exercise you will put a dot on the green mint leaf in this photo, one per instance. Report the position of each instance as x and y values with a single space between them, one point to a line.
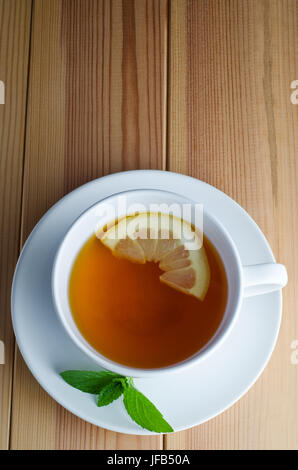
143 412
125 381
88 381
110 392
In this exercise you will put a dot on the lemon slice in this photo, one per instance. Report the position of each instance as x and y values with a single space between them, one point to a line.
167 240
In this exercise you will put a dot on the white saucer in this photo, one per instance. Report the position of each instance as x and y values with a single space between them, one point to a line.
186 399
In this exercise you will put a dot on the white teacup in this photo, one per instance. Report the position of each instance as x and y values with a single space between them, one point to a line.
243 281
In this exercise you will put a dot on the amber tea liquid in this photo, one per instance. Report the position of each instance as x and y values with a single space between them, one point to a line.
129 316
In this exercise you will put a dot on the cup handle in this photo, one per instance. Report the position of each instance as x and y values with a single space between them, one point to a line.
263 278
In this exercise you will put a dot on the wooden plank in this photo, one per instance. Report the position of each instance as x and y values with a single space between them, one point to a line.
14 53
238 131
97 104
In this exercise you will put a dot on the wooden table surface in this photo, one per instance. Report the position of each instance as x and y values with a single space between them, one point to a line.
201 87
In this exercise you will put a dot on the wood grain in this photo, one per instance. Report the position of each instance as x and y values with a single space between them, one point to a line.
100 100
238 131
14 53
97 104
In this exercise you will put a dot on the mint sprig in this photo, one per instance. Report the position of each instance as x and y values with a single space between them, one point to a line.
109 387
110 393
88 381
143 412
